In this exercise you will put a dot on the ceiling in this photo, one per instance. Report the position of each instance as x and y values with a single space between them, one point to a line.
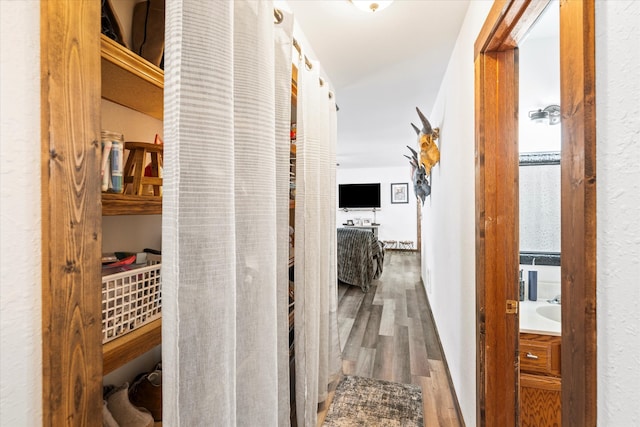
382 65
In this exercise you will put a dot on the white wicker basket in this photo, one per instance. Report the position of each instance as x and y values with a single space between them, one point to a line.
131 299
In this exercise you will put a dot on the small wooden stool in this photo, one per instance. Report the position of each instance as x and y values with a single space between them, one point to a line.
133 173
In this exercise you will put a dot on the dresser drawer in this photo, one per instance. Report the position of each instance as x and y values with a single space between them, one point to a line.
540 354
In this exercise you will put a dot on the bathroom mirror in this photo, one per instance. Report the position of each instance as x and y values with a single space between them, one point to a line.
539 139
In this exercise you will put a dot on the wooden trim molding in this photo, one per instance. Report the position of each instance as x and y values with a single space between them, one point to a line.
497 252
496 62
71 213
578 218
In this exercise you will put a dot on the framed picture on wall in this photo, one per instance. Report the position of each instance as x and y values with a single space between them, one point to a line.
400 193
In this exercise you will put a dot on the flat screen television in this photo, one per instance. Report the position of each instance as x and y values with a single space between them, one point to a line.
358 196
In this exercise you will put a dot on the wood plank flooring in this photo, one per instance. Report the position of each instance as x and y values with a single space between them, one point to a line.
388 334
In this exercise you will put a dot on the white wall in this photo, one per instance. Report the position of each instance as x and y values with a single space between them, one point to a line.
397 221
618 209
448 266
20 217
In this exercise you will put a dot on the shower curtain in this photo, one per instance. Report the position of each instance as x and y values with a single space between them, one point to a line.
225 221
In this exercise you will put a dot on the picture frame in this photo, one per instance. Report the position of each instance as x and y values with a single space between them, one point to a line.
349 222
366 222
400 192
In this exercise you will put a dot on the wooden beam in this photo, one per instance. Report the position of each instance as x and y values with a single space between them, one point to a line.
71 219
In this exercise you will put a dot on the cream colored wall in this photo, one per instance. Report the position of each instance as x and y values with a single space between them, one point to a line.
20 217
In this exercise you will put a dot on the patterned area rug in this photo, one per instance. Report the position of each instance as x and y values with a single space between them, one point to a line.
368 402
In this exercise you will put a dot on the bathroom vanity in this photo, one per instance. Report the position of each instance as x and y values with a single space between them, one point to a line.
540 375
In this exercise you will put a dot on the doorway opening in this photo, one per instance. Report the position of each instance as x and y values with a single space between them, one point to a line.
496 77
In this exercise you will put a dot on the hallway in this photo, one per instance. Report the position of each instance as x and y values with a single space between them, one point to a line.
388 334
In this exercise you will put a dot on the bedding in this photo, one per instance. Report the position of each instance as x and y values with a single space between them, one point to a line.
360 257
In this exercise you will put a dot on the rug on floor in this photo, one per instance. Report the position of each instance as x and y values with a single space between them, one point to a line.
360 401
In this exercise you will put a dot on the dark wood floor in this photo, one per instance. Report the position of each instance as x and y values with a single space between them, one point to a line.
388 334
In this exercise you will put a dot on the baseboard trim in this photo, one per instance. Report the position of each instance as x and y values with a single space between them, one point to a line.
444 357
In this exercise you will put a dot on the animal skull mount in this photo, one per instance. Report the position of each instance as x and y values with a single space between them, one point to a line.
421 186
429 153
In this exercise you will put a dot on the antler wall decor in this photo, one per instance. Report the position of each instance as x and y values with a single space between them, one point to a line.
421 186
429 153
429 156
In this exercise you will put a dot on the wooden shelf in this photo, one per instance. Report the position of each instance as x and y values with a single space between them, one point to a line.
130 346
127 204
132 81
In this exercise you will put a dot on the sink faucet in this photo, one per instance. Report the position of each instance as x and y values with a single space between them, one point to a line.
556 300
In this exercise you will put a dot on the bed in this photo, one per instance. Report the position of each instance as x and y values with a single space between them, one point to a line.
360 257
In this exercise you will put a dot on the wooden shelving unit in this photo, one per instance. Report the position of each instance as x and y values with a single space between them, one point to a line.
131 81
127 204
78 67
130 346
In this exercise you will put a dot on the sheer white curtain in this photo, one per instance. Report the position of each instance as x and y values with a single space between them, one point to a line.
316 329
225 221
227 93
284 47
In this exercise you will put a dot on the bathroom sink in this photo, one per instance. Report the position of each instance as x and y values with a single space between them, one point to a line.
551 312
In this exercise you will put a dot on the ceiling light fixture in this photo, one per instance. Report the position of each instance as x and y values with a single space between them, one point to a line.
550 114
371 6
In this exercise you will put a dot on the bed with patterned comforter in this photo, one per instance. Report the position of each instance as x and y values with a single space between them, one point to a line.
360 257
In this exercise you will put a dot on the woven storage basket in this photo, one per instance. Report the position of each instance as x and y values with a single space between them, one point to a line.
131 299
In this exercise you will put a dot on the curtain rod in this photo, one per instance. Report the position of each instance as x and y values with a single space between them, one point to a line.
279 16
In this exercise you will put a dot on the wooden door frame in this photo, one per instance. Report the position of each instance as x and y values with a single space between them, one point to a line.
496 78
71 213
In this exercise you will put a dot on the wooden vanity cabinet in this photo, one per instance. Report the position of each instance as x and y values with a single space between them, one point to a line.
540 382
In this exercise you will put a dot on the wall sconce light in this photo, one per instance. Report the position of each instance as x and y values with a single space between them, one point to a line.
371 6
550 114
